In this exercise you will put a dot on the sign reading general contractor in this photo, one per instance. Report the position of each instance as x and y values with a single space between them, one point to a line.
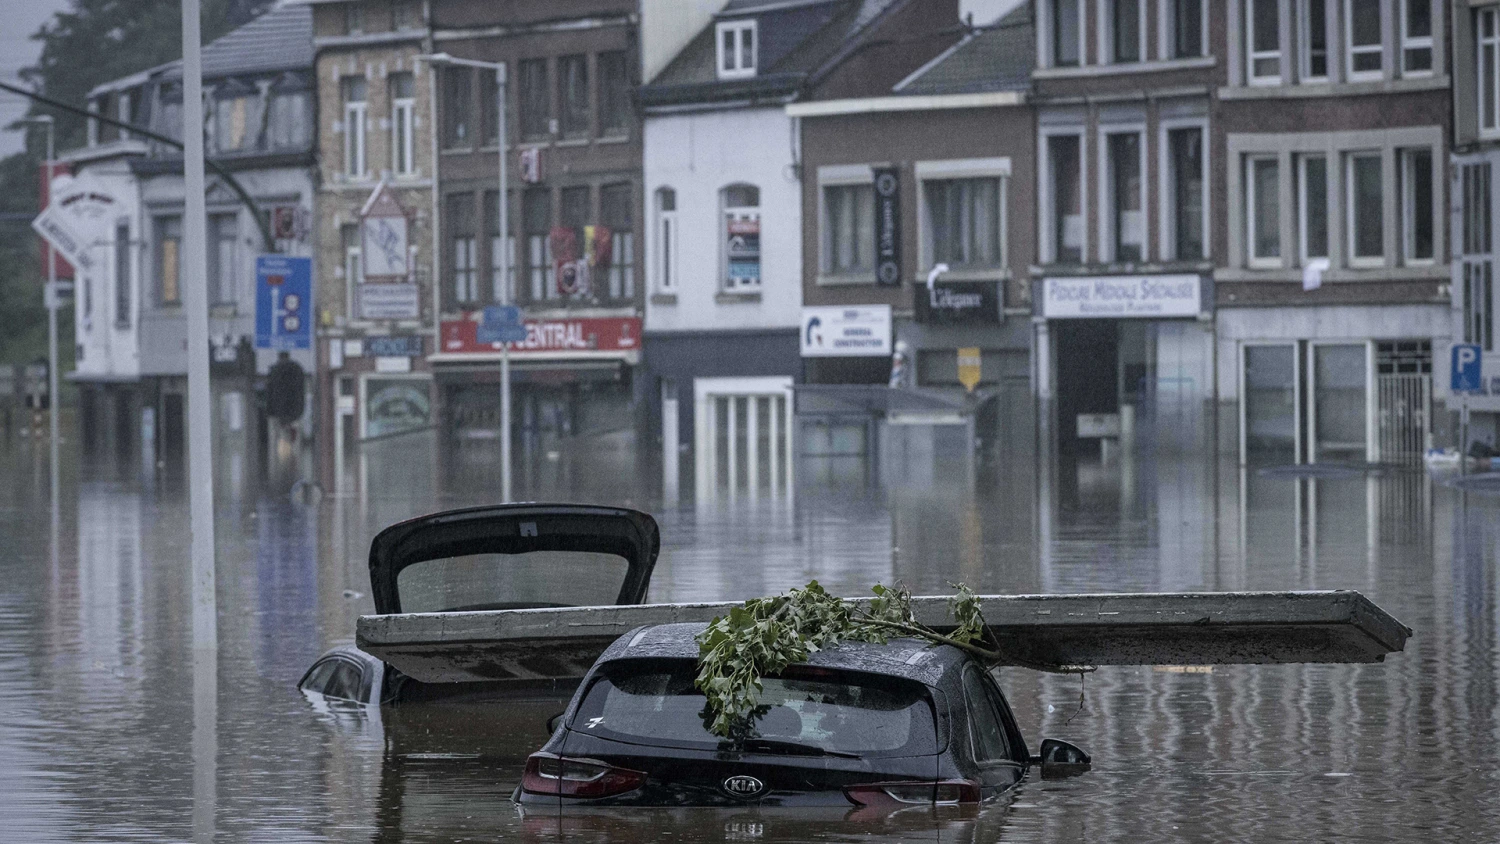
856 331
1145 296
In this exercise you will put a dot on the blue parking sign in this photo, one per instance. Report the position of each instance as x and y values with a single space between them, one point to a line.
283 302
1467 364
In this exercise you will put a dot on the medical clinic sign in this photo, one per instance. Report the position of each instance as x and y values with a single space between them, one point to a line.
1147 296
591 336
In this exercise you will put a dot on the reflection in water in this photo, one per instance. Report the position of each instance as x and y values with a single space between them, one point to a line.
99 693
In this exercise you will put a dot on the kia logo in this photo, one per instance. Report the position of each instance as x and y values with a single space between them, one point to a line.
744 786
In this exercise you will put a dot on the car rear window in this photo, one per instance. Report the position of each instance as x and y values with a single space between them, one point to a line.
510 581
654 702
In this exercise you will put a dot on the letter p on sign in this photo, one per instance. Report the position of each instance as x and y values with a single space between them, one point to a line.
1467 364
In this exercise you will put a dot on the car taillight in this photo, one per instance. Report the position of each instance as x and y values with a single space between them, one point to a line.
548 773
946 792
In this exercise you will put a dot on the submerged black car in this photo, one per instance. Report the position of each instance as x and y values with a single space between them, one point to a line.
883 726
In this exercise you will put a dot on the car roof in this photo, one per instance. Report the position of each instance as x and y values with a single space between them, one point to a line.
912 659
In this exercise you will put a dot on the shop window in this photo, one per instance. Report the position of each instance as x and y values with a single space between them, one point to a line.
1263 39
1127 223
1186 191
403 119
1366 211
1066 197
168 260
1263 205
666 240
573 75
741 237
849 229
964 222
1362 39
736 49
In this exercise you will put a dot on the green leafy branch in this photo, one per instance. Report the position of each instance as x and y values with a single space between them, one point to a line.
764 635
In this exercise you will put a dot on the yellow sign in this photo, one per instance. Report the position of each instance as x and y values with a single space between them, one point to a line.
969 367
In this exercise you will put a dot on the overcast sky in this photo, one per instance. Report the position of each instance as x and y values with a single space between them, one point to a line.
17 50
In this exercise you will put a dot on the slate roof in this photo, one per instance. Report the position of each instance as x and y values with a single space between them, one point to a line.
999 58
281 39
796 38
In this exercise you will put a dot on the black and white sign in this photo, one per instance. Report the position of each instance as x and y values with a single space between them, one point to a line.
857 331
887 226
1143 296
376 300
958 302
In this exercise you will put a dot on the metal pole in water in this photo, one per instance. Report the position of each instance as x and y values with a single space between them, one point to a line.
52 398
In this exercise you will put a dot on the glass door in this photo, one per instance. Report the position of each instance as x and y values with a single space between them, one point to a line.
1339 420
1270 393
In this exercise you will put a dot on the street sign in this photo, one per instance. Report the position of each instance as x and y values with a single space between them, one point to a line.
1467 363
969 367
501 324
283 302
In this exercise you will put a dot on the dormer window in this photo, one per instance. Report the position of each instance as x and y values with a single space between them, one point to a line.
736 49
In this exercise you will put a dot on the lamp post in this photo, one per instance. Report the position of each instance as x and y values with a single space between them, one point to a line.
444 60
50 298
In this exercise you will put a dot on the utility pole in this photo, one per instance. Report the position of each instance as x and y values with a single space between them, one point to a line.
51 299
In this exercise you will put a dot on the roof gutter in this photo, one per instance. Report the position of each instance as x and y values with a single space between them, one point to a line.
934 102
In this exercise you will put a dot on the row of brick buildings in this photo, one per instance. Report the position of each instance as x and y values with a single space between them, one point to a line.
1251 227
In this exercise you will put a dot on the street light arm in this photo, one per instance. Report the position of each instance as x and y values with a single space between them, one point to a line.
231 181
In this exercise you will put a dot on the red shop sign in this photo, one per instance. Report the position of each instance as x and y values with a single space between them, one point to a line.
549 336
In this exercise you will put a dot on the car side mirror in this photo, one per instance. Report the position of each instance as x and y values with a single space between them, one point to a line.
554 721
1060 759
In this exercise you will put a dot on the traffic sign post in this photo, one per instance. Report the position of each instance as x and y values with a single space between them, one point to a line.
1467 374
283 302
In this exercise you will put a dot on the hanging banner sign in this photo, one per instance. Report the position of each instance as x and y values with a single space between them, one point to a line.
58 168
1146 296
887 225
970 367
78 218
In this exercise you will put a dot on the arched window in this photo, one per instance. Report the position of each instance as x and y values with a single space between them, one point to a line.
741 237
666 240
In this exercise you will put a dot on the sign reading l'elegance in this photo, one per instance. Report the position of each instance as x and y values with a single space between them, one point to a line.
1145 296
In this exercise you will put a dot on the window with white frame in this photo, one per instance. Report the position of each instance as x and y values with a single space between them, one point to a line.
1477 260
1416 37
848 229
617 212
536 218
1127 37
502 251
736 52
1417 209
963 222
1124 197
1263 42
463 268
1314 41
1067 33
223 259
1064 231
1487 34
1364 50
1186 194
355 105
1312 207
741 237
1366 211
353 265
1188 25
122 273
666 240
403 116
1263 210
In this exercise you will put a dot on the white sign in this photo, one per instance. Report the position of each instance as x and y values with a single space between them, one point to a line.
79 215
1147 296
383 236
375 300
856 331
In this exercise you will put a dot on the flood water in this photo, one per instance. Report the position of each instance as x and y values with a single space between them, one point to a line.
110 731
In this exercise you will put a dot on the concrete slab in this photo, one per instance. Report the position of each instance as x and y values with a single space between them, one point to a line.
1108 629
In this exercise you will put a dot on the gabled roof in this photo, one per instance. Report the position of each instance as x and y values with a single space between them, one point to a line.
795 39
996 58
